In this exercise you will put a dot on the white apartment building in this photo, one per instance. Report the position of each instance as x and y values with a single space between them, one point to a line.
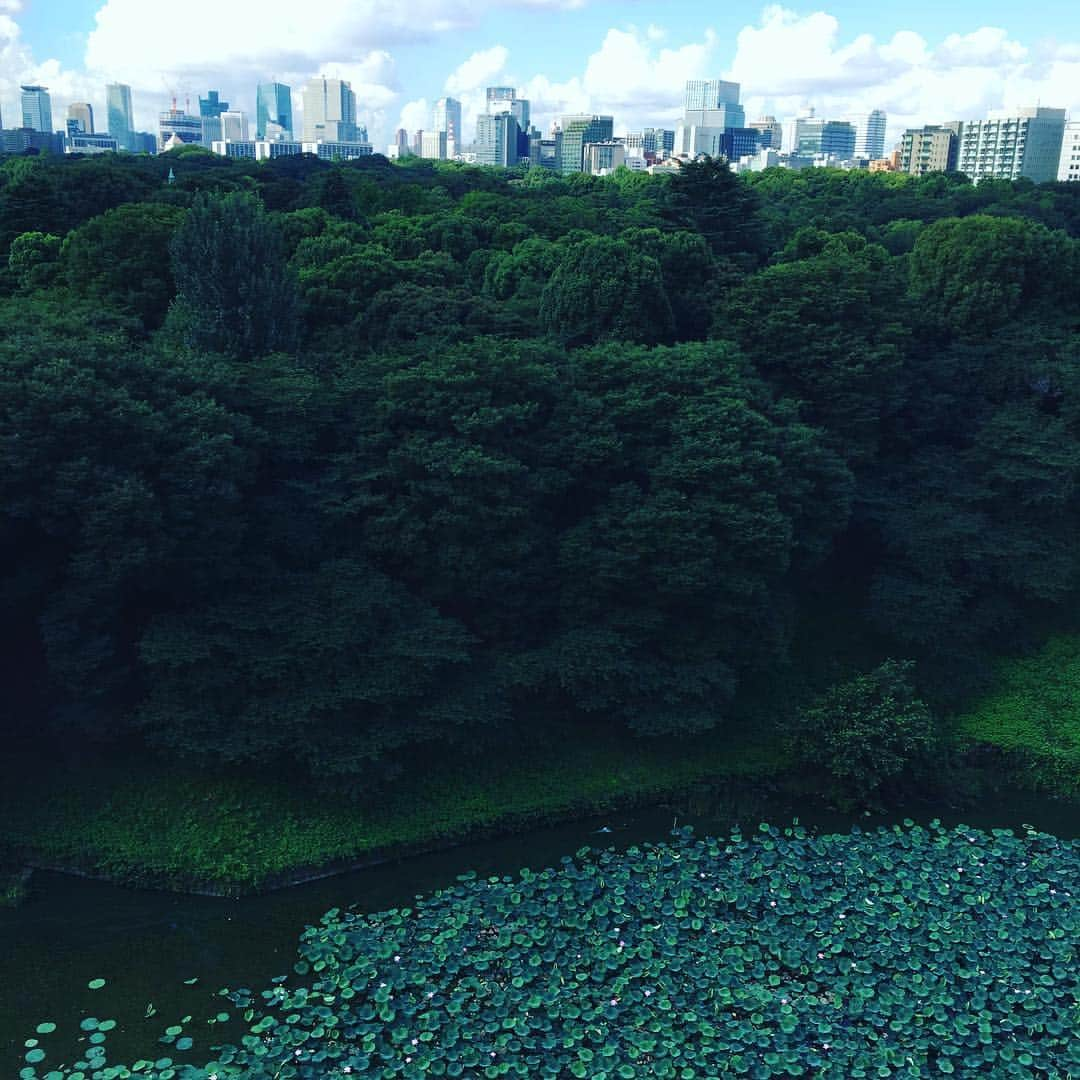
1006 147
1069 164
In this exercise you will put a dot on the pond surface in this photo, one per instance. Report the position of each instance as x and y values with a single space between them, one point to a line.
146 943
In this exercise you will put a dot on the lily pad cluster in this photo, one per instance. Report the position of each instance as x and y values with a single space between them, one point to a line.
905 952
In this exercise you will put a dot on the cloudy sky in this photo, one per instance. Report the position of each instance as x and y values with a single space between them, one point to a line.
923 61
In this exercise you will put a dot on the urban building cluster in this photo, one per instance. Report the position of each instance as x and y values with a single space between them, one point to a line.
1039 143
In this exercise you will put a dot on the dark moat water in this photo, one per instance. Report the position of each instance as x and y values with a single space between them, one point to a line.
146 944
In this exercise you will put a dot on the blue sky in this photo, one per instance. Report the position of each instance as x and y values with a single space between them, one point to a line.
921 61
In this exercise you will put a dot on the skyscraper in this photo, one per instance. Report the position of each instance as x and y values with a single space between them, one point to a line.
433 145
497 140
708 94
212 105
211 109
447 119
234 126
838 139
504 99
577 130
82 112
712 107
121 116
273 106
329 111
36 108
177 125
771 131
869 133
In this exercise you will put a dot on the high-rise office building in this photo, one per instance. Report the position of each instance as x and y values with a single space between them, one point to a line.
144 142
838 139
121 116
712 107
657 143
17 140
740 142
211 109
329 111
234 126
273 106
82 112
87 142
504 99
433 145
706 94
499 98
497 140
577 130
869 133
36 108
447 119
175 125
771 132
1026 143
212 105
602 158
1069 164
928 149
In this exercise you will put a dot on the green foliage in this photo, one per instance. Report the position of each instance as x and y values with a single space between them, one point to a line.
772 955
122 259
238 830
826 327
12 887
1034 712
707 197
868 732
331 671
515 447
32 259
606 290
236 294
976 274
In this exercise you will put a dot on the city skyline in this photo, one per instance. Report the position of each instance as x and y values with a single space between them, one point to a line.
921 68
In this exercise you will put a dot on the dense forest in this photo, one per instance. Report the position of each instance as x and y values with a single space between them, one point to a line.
325 466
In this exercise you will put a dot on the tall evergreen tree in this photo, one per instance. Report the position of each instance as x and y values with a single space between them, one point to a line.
236 293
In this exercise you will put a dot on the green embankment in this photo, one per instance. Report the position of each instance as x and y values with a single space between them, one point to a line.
12 886
163 825
236 834
1034 714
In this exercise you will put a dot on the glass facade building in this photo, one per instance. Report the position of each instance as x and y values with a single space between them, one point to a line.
82 113
869 134
121 117
447 119
497 140
577 130
273 105
36 108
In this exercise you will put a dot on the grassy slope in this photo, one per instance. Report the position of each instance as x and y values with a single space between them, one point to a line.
1035 714
234 833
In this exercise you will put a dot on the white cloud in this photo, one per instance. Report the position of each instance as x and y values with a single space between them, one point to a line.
415 116
783 61
481 69
787 60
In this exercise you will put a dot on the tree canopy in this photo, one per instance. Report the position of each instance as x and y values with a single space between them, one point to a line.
315 465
